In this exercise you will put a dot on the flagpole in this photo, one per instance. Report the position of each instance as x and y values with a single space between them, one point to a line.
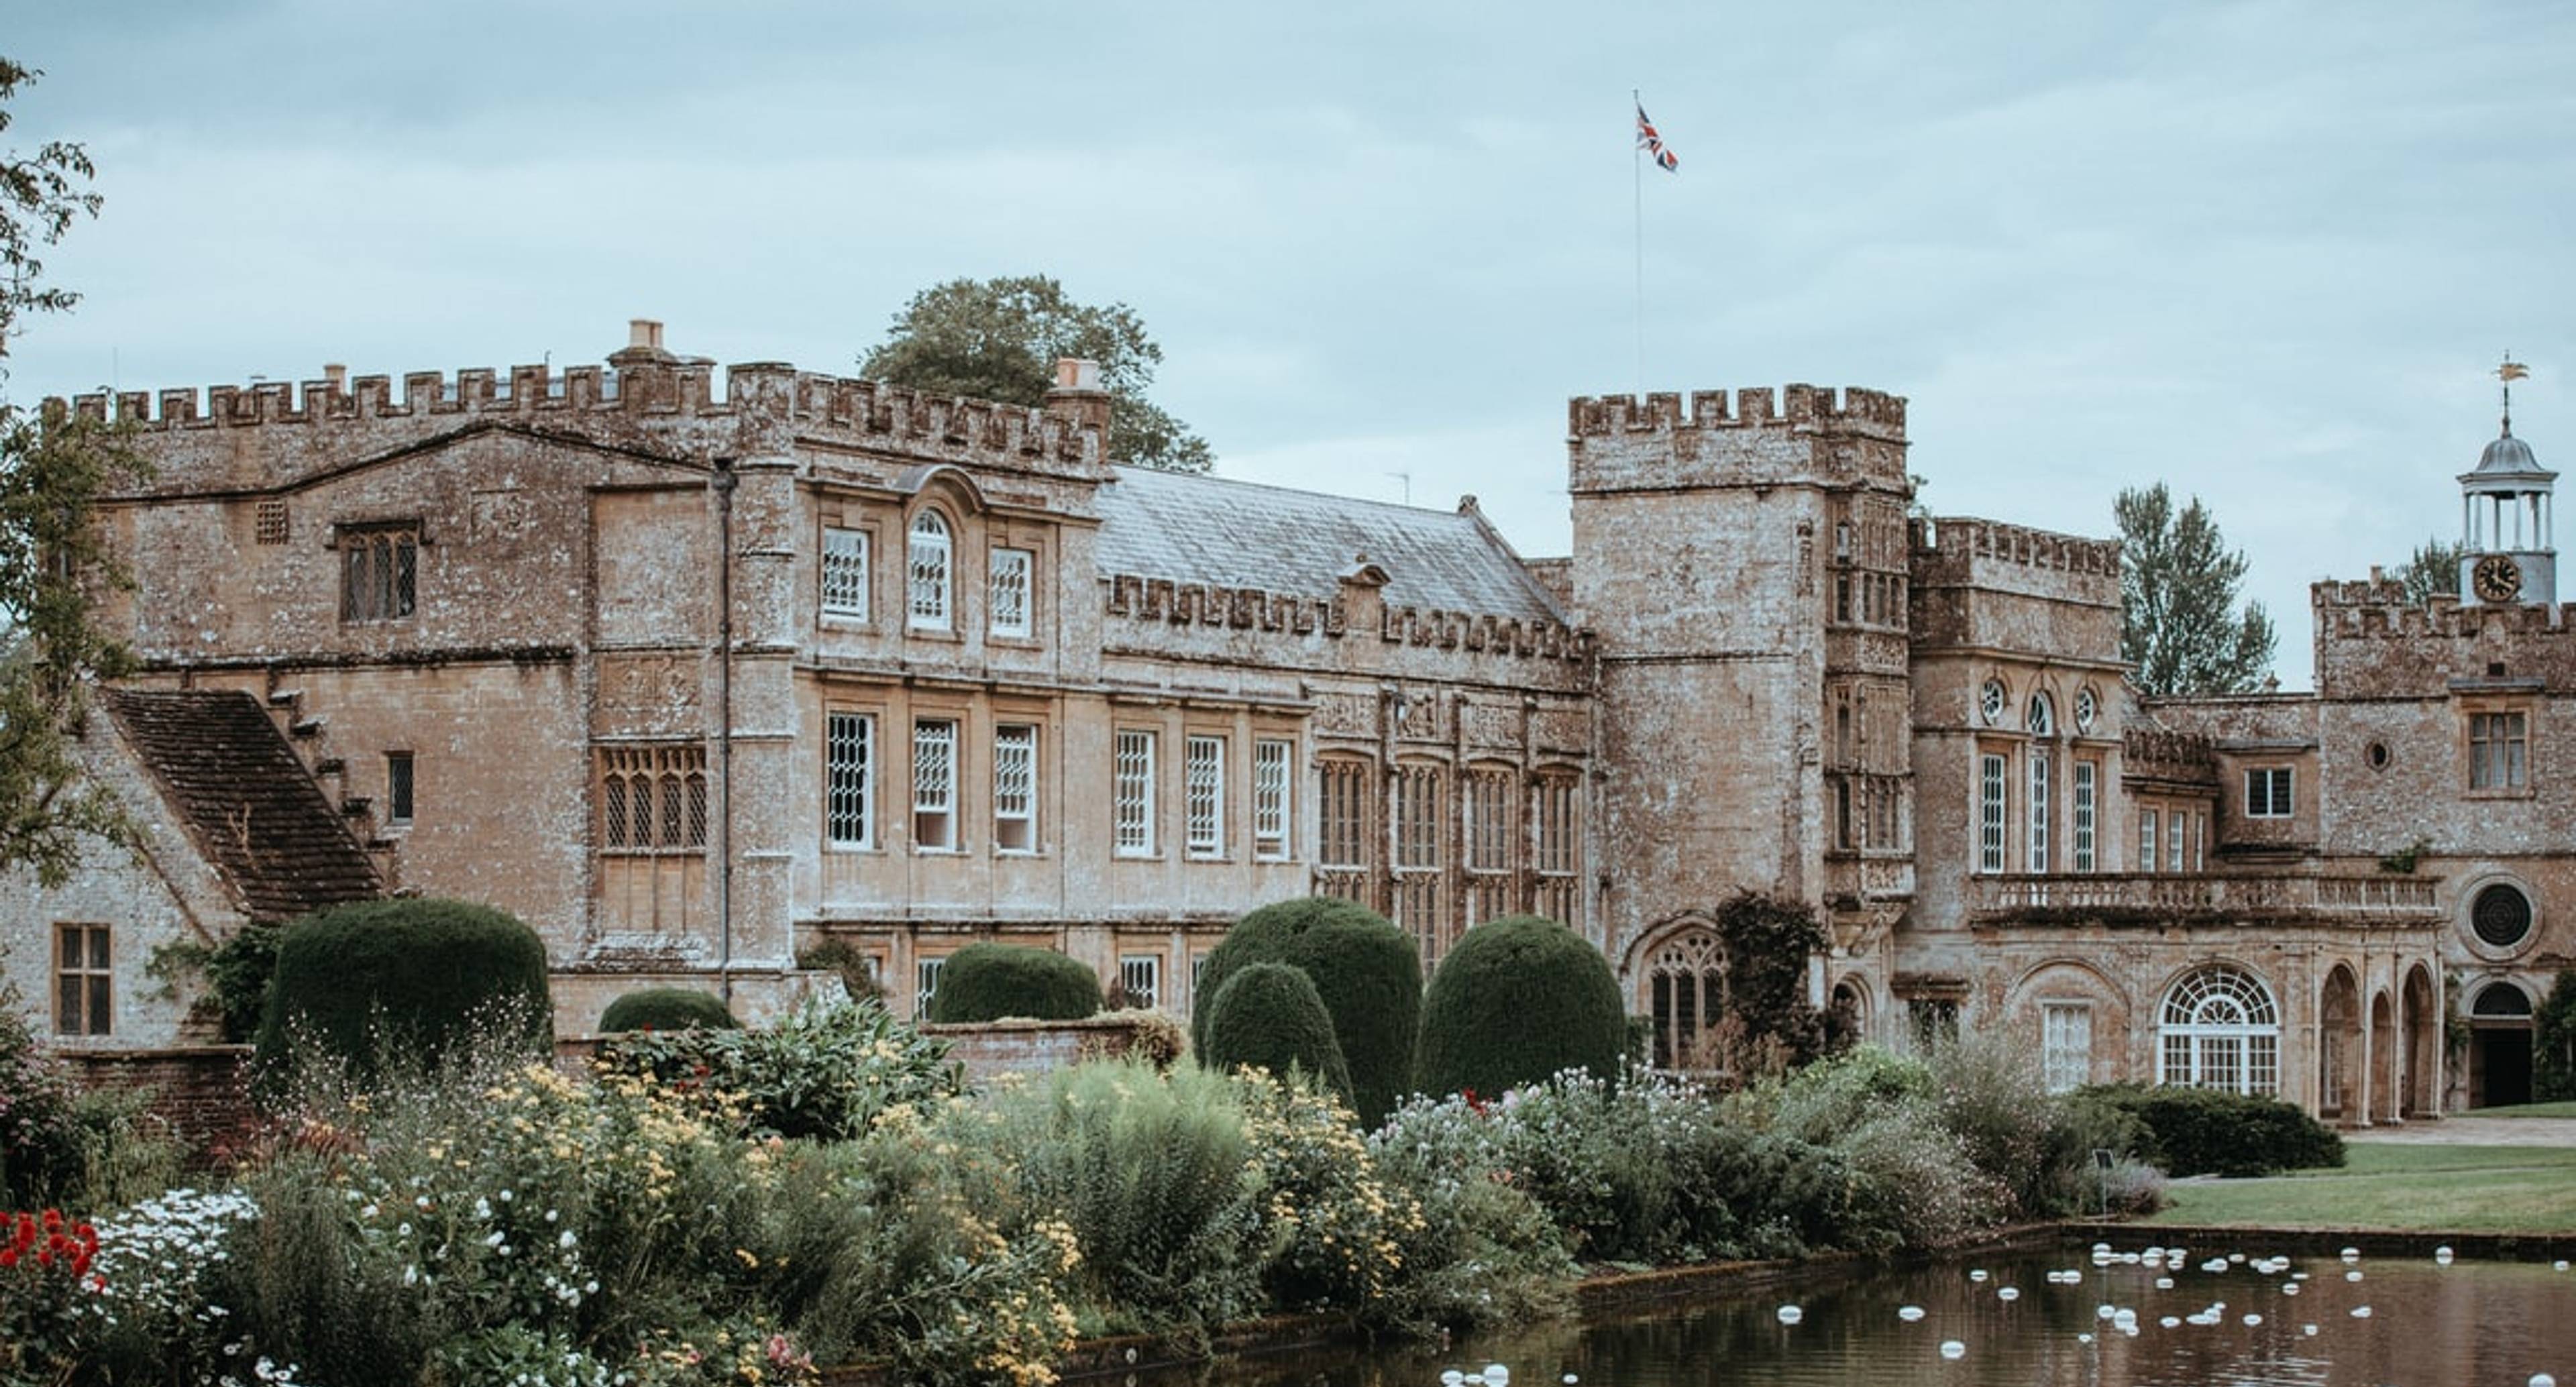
1637 168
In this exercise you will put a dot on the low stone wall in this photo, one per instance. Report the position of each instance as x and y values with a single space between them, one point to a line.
202 1091
992 1048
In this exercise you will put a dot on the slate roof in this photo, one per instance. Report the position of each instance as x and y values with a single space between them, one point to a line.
1194 529
246 799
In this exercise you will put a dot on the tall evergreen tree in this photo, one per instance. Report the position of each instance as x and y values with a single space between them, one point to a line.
2180 625
52 558
999 339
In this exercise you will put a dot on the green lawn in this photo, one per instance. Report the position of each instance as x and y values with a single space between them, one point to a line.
2387 1185
2565 1109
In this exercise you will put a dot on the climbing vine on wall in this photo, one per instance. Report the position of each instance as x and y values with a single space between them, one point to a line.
1771 1025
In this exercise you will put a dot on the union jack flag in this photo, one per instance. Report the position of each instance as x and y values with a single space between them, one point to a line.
1653 143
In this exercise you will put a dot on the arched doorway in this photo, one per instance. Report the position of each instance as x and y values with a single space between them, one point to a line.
1847 1017
1686 995
2421 1029
2500 1046
2383 1059
2219 1028
2339 1047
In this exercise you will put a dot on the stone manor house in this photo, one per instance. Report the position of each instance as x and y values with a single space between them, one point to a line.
696 671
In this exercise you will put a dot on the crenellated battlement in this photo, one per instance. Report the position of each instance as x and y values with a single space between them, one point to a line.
1855 410
2378 610
830 409
1947 545
1140 598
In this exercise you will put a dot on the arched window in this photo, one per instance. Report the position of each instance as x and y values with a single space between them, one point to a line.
2219 1029
2043 720
926 571
1686 982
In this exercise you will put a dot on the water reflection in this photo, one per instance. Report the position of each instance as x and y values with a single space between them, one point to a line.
2256 1322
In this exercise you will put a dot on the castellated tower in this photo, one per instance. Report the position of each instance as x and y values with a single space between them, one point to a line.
1744 571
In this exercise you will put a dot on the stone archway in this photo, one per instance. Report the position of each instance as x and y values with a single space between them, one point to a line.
2382 1100
2420 1020
2499 1045
2339 1047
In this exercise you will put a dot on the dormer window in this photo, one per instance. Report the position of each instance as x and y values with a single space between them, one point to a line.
927 569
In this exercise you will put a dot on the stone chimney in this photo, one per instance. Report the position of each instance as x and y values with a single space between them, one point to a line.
643 345
1078 400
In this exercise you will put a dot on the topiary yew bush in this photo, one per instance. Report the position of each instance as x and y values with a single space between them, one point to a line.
667 1009
988 981
2203 1131
400 982
1364 969
1269 1016
1516 1001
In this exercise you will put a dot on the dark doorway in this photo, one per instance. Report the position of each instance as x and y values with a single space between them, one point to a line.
2500 1067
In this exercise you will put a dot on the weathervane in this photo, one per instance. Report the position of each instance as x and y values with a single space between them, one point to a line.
2510 372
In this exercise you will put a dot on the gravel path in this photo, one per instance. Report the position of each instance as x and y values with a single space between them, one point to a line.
2476 1131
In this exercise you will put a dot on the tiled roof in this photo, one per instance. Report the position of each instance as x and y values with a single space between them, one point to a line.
1194 529
246 798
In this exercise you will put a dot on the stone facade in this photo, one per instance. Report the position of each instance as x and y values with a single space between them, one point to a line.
696 682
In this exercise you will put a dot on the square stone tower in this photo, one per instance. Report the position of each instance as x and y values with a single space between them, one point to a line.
1744 571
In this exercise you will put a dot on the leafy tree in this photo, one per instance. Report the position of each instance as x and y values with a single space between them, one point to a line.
2433 571
2180 626
52 558
999 339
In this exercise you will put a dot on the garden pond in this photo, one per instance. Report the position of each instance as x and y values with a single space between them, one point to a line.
2232 1315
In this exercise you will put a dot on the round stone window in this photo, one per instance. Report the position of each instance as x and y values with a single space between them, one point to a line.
2501 915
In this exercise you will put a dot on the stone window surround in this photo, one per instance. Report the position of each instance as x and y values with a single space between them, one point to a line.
1205 806
861 611
2280 796
2464 903
862 772
2470 711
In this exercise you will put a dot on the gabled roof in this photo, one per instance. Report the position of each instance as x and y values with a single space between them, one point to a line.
1194 529
246 799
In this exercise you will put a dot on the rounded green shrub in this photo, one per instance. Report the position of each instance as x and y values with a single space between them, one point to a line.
1365 970
400 982
1517 1000
1269 1016
667 1009
988 981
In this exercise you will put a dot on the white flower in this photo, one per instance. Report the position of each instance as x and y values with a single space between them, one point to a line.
495 1239
567 1240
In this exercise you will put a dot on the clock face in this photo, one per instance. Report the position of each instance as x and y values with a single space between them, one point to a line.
2496 579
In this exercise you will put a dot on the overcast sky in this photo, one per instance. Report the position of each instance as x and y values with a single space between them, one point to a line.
2266 252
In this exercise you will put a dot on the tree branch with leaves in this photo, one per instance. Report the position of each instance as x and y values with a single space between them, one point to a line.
54 562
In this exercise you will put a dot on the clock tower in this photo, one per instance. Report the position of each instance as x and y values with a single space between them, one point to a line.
2506 557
